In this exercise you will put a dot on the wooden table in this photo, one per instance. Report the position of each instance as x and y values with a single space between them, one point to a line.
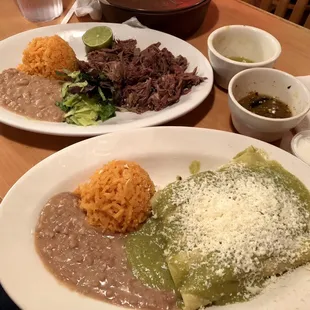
20 150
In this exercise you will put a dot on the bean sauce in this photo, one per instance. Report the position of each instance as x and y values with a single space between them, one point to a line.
31 96
89 261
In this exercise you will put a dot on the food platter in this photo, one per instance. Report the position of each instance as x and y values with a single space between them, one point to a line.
72 33
165 153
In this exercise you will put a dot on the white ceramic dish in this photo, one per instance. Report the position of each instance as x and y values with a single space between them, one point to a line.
270 82
300 146
12 48
305 124
164 152
249 42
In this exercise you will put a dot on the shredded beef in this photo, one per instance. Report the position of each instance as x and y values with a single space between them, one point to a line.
147 80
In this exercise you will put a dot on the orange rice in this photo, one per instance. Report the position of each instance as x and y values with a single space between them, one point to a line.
46 55
117 197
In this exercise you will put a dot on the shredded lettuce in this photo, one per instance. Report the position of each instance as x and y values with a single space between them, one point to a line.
101 94
84 101
83 111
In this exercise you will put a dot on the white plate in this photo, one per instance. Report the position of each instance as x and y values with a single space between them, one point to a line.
12 48
164 152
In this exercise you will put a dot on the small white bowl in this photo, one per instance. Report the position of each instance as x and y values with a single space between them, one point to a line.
300 146
249 42
271 82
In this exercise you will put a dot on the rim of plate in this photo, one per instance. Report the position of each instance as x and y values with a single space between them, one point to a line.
230 139
62 129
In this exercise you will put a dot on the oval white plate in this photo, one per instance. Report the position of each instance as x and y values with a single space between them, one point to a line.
165 153
12 48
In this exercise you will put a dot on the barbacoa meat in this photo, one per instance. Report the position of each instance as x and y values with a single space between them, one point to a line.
147 80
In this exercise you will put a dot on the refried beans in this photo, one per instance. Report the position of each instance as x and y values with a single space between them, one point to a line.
31 96
89 261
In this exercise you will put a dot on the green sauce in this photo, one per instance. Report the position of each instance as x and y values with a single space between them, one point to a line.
194 167
144 250
145 247
241 59
265 105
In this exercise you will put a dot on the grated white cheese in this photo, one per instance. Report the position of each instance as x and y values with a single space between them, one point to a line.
247 217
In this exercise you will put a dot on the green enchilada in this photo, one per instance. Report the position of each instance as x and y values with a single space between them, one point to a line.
216 237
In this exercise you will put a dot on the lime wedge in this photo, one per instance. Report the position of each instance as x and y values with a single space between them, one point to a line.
98 37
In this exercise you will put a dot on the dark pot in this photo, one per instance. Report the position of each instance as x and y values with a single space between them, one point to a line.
182 21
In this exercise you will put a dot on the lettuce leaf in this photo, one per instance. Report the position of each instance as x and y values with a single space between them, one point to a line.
83 99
